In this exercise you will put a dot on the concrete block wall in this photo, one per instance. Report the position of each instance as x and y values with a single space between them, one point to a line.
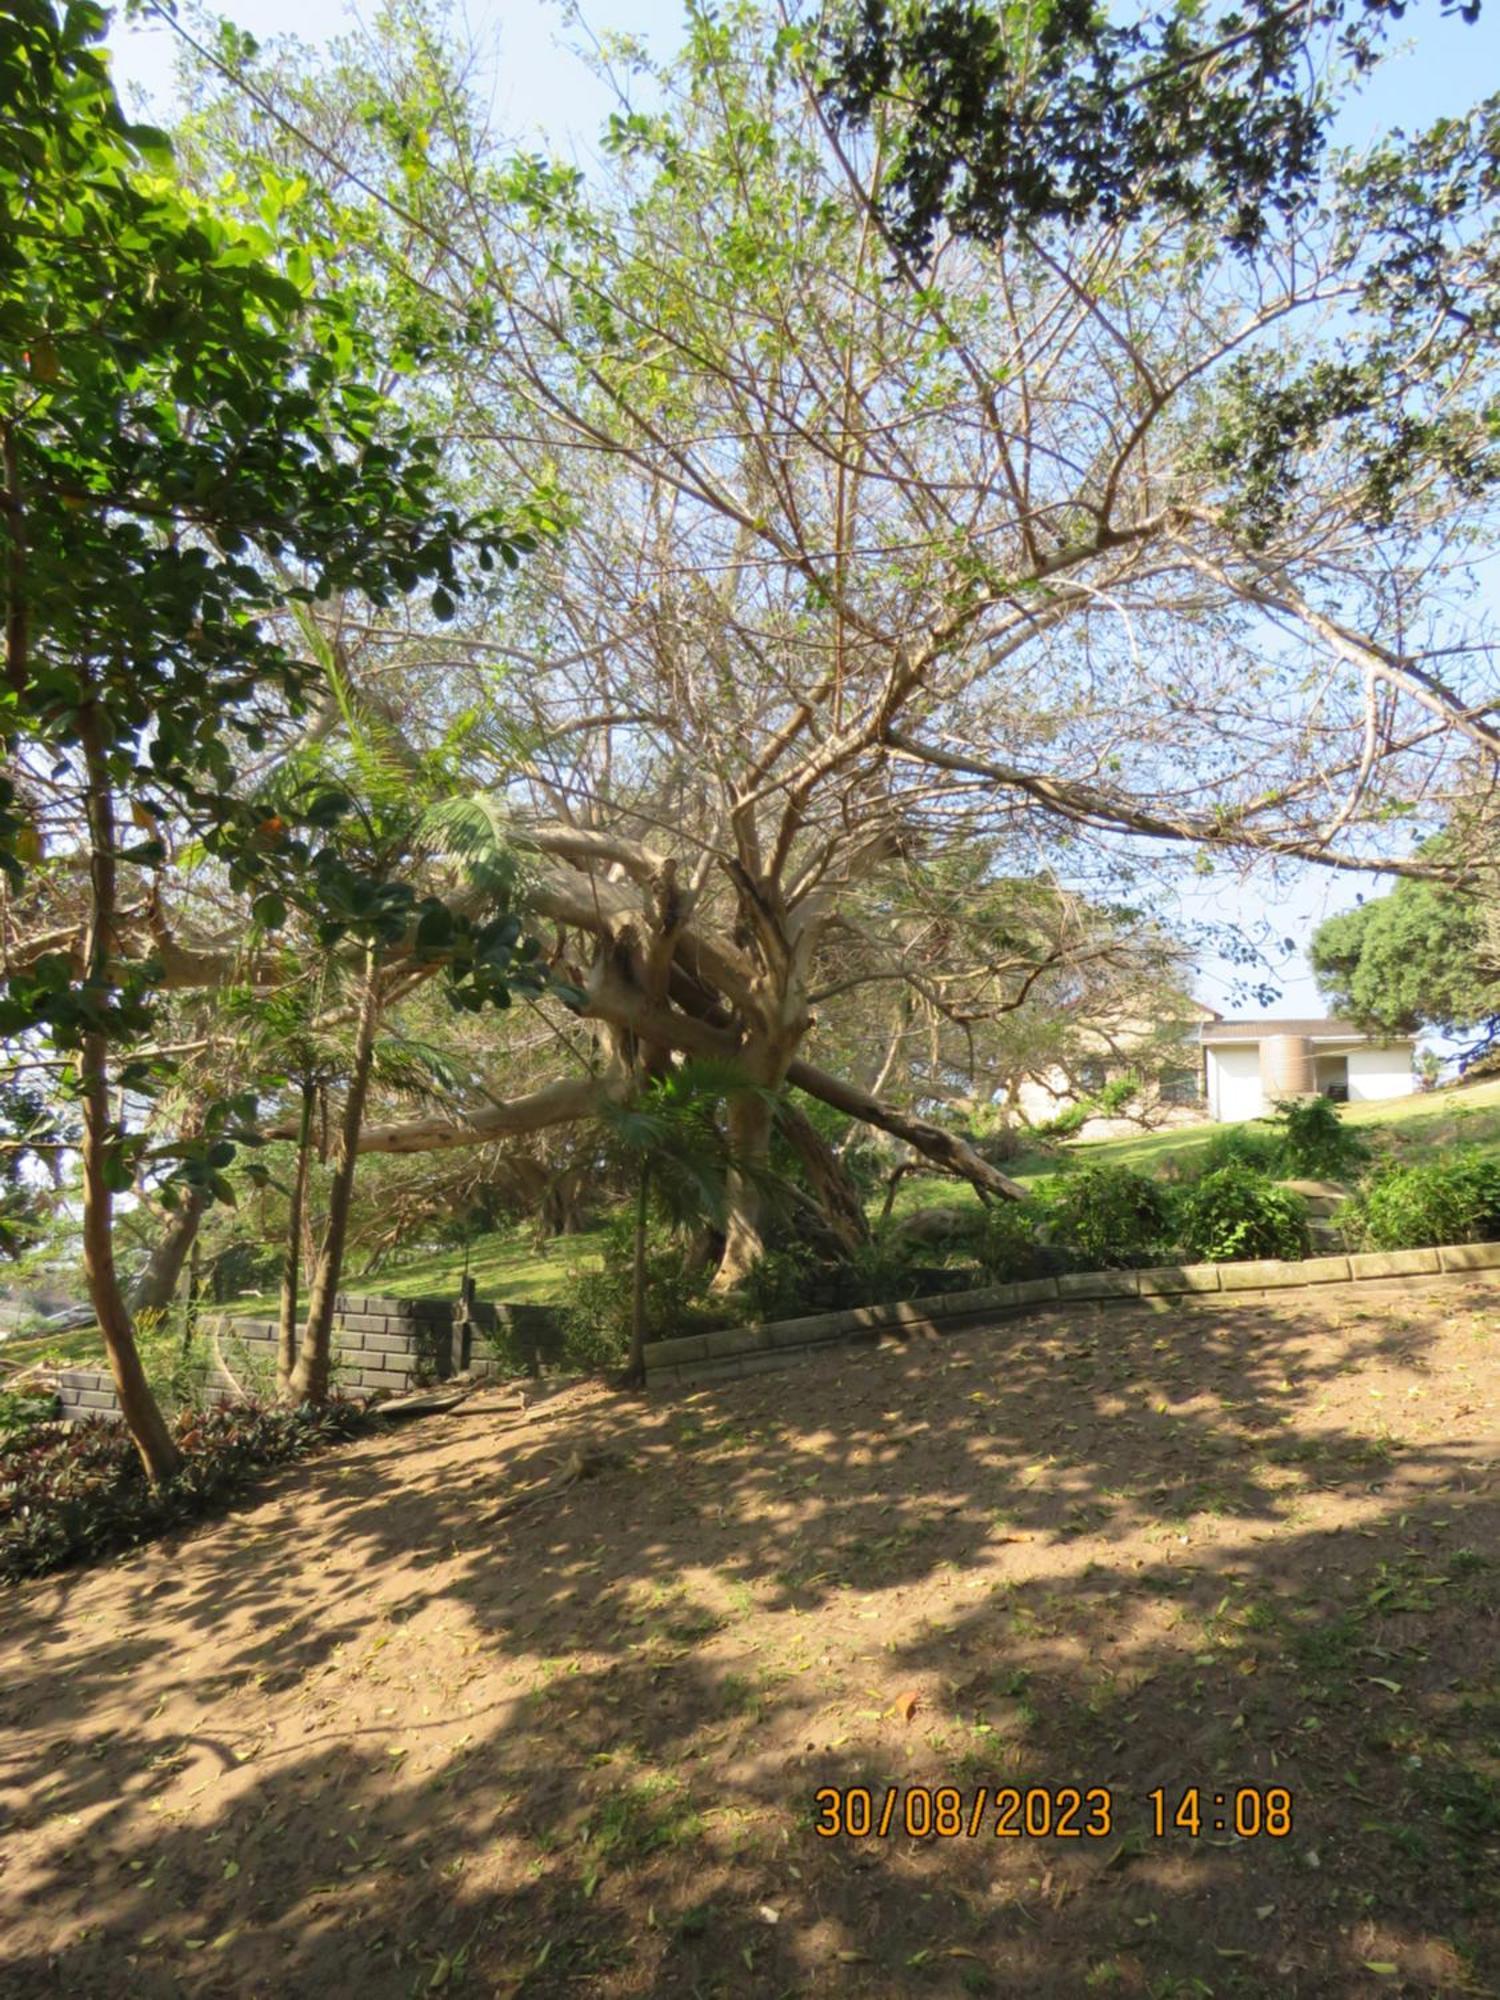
378 1343
84 1393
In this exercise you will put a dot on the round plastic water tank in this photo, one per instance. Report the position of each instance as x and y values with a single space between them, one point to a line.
1286 1068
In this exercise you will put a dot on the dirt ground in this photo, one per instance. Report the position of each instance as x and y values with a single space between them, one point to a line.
374 1734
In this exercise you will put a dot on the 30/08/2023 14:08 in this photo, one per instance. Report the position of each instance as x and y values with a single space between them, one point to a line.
1040 1812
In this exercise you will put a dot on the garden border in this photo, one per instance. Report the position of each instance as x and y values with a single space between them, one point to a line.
751 1350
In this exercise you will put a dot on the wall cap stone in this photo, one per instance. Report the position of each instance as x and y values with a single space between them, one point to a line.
717 1356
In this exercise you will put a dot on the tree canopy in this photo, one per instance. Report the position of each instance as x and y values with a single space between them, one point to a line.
1418 957
906 582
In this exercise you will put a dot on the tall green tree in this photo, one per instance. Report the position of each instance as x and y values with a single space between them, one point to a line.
191 438
1415 958
1083 539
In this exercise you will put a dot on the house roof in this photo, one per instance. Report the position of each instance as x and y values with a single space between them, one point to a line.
1316 1030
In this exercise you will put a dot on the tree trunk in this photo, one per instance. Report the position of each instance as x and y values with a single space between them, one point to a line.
143 1419
828 1178
190 1306
310 1377
635 1366
156 1287
286 1332
744 1228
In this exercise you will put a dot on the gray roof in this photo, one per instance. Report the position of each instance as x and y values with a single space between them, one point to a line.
1260 1030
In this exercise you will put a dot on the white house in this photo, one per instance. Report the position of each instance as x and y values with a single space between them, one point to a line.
1248 1065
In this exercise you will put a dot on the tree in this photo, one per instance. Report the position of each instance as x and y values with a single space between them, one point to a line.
1082 542
191 440
1412 959
1014 122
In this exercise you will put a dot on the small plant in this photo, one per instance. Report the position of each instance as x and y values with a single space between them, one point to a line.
1456 1200
1236 1211
1315 1142
1112 1216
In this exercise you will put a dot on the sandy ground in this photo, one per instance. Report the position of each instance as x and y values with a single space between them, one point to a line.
385 1731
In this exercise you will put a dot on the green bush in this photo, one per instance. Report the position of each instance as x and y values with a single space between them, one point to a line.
75 1492
1107 1102
1111 1216
1315 1143
23 1409
1453 1200
1238 1146
1008 1246
1237 1211
777 1287
596 1318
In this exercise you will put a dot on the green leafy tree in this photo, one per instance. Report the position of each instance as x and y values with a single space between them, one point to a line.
1069 114
1415 958
191 439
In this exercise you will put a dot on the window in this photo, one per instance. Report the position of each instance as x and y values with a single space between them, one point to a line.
1180 1086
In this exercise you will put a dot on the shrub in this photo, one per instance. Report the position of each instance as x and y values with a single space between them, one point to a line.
1315 1143
1237 1211
176 1369
1008 1248
596 1319
1238 1146
68 1494
1456 1200
1112 1216
777 1288
23 1409
880 1270
1107 1102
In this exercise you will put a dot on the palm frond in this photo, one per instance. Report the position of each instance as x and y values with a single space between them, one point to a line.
475 834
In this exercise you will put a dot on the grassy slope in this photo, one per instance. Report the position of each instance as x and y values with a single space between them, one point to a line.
1408 1127
510 1266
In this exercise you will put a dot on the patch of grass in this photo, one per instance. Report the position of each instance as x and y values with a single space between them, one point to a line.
1327 1648
645 1817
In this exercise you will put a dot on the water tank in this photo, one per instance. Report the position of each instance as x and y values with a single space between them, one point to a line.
1286 1068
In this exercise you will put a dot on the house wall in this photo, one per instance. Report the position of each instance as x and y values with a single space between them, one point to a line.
1234 1081
1377 1073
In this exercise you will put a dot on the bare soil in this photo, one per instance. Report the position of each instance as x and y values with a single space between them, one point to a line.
385 1732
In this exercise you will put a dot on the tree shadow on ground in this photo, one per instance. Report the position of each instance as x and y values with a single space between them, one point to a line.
378 1732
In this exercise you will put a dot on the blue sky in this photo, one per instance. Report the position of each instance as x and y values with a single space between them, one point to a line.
540 88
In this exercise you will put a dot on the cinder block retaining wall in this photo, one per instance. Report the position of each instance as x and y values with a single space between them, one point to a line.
399 1344
751 1350
85 1392
394 1344
378 1343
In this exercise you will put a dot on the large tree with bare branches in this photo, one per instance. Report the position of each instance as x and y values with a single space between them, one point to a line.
1078 543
